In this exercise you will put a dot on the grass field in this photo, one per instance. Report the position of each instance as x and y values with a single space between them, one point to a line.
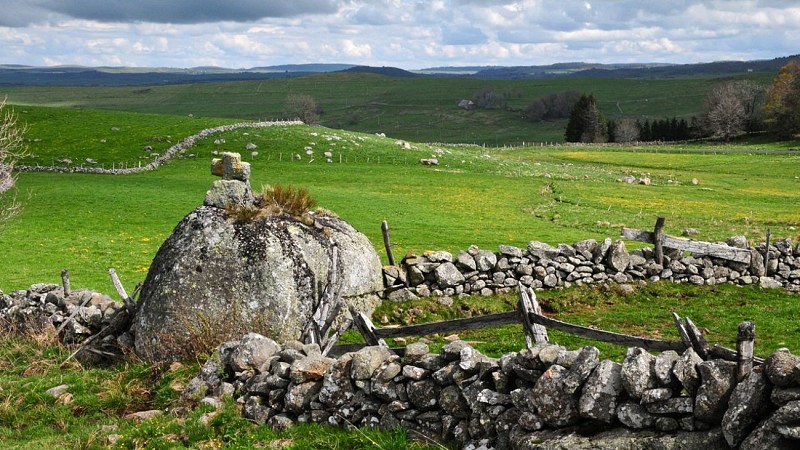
420 110
477 195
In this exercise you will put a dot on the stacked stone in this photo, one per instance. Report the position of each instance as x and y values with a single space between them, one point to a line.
169 154
540 265
520 400
45 304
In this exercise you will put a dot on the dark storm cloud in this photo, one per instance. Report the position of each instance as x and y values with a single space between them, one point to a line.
162 11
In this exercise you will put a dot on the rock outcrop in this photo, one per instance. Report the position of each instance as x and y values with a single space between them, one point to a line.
222 272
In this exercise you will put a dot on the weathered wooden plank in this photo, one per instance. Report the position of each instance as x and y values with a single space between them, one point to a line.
368 331
698 247
534 333
699 343
658 240
387 242
489 320
607 336
682 330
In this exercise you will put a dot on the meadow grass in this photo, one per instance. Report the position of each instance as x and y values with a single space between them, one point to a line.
484 196
477 195
417 109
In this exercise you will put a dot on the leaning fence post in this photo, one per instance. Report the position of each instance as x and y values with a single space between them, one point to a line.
744 349
387 242
658 240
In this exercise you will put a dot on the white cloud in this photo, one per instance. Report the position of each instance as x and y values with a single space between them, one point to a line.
405 33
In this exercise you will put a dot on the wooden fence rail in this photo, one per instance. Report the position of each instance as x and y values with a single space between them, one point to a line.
661 240
535 326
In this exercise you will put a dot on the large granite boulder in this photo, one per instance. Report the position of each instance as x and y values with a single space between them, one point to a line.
221 274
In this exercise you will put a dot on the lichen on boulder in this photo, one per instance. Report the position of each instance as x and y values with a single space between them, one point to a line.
219 275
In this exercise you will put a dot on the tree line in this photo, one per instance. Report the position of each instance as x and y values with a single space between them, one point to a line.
731 109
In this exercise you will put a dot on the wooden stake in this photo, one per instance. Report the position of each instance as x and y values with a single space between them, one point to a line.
766 253
658 240
682 330
387 242
744 349
65 282
699 342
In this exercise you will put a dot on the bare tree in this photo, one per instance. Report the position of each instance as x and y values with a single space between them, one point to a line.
11 149
724 114
627 130
303 107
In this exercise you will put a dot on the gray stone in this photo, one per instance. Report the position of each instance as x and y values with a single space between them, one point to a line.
553 404
447 275
737 241
635 416
656 395
637 372
511 251
337 386
685 369
748 405
780 368
485 260
542 250
781 396
766 435
310 368
439 256
252 351
585 362
618 439
718 381
367 360
453 402
465 261
424 394
602 392
226 193
617 257
674 405
601 250
665 361
261 275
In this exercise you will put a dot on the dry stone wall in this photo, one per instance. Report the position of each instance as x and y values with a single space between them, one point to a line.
163 158
546 397
540 265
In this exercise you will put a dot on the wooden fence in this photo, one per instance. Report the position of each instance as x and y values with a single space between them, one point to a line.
535 325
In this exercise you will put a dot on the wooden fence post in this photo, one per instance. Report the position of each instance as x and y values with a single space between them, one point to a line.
534 333
766 253
65 282
658 240
387 242
744 349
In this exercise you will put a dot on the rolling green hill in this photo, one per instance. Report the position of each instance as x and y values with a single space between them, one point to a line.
416 109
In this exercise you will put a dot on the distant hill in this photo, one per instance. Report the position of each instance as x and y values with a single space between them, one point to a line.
15 74
643 70
387 71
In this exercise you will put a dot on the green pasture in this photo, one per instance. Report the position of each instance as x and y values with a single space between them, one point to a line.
417 109
477 195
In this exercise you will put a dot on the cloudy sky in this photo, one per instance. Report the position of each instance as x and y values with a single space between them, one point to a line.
411 34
